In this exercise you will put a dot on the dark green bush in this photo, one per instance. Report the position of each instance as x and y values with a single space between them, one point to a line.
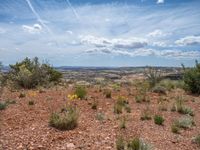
158 120
2 105
192 79
31 73
197 140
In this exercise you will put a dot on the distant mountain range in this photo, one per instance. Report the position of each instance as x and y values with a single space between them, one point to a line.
74 68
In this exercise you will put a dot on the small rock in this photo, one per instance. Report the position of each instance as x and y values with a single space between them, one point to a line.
70 146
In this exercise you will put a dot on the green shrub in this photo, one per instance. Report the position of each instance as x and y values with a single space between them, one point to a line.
171 84
66 120
118 108
2 80
122 124
120 104
192 79
127 108
158 120
120 143
137 144
94 105
153 76
132 144
175 128
30 73
81 92
181 108
22 95
197 140
31 102
184 122
146 114
107 93
160 90
139 98
9 101
3 105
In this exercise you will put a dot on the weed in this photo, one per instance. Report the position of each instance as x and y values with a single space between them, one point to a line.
100 116
3 105
120 143
185 122
118 108
81 92
160 90
158 120
197 140
66 120
122 124
127 108
31 102
146 114
22 95
94 105
137 144
175 128
107 93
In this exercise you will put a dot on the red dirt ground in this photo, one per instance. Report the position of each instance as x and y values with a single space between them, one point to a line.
24 127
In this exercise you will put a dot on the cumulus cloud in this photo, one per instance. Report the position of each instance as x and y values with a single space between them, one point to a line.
148 52
129 43
160 1
36 28
160 44
157 33
188 40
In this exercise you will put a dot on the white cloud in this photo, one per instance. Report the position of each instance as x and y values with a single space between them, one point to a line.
160 44
160 1
188 40
177 54
36 28
157 33
2 31
69 32
129 43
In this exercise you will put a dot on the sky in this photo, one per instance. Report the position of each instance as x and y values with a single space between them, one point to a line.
101 32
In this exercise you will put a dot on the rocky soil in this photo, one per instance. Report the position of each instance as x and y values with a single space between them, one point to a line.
26 127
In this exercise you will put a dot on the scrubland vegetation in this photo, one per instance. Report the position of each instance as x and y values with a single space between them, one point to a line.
152 112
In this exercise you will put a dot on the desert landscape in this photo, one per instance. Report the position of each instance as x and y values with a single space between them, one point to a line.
99 75
106 108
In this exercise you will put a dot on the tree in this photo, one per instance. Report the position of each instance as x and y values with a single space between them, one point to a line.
192 79
31 73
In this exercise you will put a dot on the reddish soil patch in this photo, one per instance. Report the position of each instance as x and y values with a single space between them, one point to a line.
26 127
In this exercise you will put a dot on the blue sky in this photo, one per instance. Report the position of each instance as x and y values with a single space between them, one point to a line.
101 32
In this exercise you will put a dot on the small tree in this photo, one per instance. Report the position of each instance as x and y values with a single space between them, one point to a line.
2 80
192 79
31 73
